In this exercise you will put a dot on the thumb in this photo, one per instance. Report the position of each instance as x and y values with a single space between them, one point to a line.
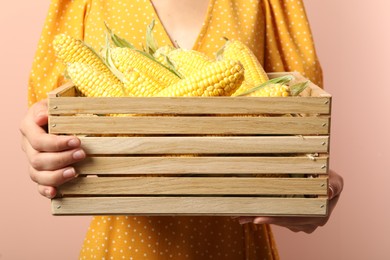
40 113
336 184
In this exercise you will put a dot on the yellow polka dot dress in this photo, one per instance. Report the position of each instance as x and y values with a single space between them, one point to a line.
278 33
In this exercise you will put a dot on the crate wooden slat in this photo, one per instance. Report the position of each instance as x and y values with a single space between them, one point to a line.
229 206
218 105
205 145
196 156
188 125
201 165
194 186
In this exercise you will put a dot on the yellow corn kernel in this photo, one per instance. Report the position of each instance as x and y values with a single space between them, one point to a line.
220 78
254 72
139 84
272 90
126 59
69 49
244 87
93 83
186 62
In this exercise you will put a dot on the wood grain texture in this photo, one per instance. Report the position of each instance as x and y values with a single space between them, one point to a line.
205 145
66 90
228 206
194 186
188 125
189 105
201 165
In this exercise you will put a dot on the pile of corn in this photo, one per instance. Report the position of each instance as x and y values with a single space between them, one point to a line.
122 70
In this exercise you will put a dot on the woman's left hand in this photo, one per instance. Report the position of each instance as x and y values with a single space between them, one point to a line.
305 224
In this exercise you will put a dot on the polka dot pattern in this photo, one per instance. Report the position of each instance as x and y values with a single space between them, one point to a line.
278 33
276 30
289 43
128 237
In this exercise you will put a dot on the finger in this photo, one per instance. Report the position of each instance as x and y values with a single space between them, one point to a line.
43 142
289 221
303 228
244 220
336 184
295 224
40 113
36 115
266 220
47 191
32 129
332 204
53 161
53 178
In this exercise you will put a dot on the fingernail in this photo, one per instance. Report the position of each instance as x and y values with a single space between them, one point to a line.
243 221
79 154
259 221
331 191
41 114
69 173
73 142
48 193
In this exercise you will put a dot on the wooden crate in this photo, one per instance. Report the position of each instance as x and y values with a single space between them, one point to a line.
244 165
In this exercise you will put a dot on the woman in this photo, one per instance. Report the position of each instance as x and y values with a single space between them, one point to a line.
278 33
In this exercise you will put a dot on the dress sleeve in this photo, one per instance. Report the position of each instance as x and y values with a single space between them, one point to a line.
289 42
64 16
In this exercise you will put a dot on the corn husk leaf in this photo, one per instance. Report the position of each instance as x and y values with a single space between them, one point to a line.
118 41
296 89
151 43
219 53
109 62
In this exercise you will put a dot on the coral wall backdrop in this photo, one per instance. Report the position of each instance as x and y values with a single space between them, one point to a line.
352 39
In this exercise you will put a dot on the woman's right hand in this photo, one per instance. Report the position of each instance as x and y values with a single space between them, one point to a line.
49 156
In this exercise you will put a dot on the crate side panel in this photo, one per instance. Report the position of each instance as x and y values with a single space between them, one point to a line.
201 165
190 206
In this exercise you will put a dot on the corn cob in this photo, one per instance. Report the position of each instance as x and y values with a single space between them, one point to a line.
220 78
139 84
126 59
94 83
272 90
69 50
254 72
277 87
187 62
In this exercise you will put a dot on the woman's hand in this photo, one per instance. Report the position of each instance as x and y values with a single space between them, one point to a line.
305 224
49 156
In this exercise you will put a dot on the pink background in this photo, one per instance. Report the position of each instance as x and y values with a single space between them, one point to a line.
352 41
